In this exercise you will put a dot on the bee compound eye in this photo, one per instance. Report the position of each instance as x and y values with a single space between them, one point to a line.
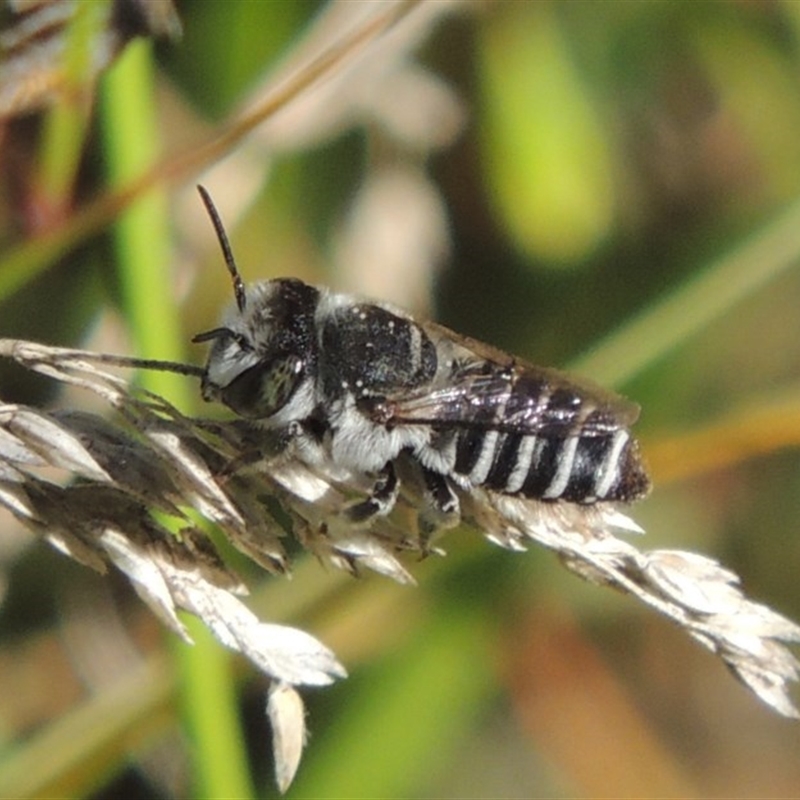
265 388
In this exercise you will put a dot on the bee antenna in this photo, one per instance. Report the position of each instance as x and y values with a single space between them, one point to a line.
216 221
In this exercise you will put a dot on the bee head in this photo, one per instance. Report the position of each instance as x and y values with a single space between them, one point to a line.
264 350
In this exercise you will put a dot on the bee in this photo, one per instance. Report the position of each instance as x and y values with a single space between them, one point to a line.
359 385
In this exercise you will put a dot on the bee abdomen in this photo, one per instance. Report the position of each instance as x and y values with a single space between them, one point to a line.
573 468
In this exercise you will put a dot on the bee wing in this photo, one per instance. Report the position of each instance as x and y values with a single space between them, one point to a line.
479 386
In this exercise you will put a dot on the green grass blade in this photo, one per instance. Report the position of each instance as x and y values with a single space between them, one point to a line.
694 305
144 257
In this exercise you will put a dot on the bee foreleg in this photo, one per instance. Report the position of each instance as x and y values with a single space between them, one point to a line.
381 500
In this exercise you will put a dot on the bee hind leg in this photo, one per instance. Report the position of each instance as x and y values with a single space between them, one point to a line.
441 508
380 501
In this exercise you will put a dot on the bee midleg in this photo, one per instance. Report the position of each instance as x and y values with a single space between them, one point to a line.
441 509
380 501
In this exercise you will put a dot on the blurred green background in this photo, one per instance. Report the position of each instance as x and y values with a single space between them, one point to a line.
613 187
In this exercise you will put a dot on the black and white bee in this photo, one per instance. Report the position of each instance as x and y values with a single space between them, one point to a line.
361 384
